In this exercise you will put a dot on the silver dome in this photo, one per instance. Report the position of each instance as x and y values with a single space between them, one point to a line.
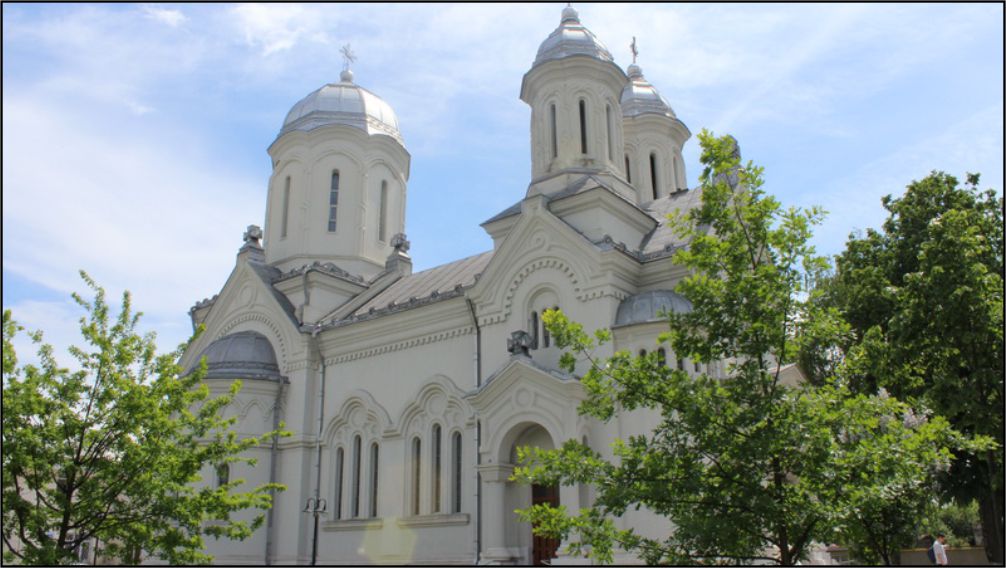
640 97
343 103
648 306
571 38
242 355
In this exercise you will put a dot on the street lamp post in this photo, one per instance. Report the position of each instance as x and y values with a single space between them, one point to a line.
316 506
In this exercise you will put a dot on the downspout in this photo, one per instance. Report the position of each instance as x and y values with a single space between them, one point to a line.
272 471
321 425
478 435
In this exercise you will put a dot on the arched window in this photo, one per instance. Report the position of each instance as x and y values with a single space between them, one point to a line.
534 330
456 481
333 201
374 455
698 367
555 133
339 459
653 173
642 352
628 170
583 126
223 471
356 476
416 469
436 467
681 363
661 357
611 144
286 207
382 222
546 338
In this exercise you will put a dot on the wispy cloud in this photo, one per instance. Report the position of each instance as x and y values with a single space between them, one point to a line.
170 17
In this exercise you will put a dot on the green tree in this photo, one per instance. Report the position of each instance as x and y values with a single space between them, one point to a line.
114 450
747 468
924 297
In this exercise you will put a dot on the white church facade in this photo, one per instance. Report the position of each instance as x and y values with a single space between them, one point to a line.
408 392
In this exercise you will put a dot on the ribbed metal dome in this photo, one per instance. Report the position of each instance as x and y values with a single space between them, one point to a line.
343 103
647 307
571 38
241 355
640 97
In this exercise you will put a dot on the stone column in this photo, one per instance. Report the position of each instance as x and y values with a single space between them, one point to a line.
494 481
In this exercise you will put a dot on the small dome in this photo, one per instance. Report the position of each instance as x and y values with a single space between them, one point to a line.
647 306
343 103
640 97
242 355
571 38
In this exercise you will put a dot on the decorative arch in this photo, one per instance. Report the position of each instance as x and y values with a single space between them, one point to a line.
371 414
508 431
525 271
438 400
262 323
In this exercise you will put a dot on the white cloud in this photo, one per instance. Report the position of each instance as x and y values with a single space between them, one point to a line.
173 18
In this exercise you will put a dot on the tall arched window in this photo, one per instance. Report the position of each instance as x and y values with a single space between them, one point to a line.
628 170
333 201
416 469
534 330
456 477
356 476
681 363
382 222
374 455
661 357
555 133
286 207
436 467
642 352
546 338
653 173
223 474
339 459
583 126
611 143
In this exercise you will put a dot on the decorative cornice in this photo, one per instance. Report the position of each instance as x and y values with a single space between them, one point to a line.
398 346
204 303
325 267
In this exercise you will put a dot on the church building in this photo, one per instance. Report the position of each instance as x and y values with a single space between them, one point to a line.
407 393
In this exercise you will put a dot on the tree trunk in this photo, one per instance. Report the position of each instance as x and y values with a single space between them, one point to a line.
989 507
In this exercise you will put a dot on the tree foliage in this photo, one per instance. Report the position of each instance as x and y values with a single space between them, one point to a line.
924 297
746 467
114 450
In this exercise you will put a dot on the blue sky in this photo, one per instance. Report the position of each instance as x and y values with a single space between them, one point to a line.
134 136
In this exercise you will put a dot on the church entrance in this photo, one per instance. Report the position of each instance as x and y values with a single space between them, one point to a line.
543 549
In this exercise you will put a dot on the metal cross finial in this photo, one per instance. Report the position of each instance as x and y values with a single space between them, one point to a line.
348 57
635 50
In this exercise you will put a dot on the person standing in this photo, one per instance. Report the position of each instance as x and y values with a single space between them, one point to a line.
939 551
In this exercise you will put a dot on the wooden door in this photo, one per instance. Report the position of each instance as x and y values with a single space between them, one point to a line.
543 549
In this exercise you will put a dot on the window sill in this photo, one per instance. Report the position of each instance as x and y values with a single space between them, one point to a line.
434 520
352 524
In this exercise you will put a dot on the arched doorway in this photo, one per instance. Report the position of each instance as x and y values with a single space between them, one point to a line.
533 549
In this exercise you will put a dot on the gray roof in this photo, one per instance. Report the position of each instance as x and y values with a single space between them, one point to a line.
641 97
662 238
242 355
650 306
343 103
429 285
571 38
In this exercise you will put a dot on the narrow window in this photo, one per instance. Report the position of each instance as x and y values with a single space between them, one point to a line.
607 116
545 338
286 207
456 487
653 173
698 367
223 474
416 468
339 459
356 476
642 352
436 468
628 170
583 126
373 478
681 363
661 357
534 330
555 133
333 201
382 222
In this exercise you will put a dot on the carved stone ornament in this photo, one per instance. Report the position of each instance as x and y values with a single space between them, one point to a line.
253 235
519 343
400 243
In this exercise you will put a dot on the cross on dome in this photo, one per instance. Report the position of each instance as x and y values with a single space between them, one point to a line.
635 50
348 58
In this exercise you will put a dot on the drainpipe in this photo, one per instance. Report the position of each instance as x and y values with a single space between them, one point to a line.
478 435
321 425
272 471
